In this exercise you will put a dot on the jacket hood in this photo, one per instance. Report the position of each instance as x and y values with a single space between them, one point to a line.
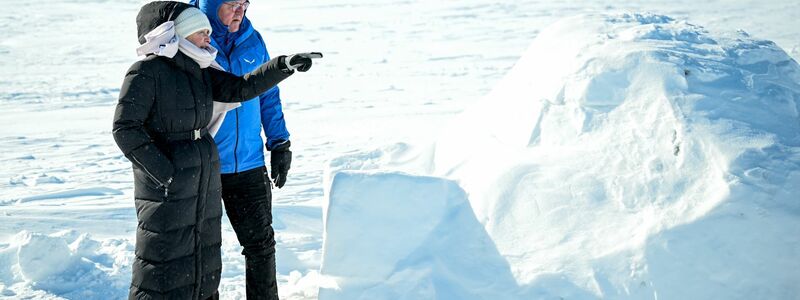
153 14
220 31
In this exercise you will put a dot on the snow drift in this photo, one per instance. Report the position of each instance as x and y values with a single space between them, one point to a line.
65 263
624 156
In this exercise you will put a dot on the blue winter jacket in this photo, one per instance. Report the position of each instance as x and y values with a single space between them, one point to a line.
239 138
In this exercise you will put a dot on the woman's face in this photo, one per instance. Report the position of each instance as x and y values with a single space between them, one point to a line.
200 38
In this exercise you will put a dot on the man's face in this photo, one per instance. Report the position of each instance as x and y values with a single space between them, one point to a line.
231 13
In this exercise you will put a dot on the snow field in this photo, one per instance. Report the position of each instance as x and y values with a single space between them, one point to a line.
393 71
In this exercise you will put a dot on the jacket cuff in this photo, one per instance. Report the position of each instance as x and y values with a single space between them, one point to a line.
283 65
279 145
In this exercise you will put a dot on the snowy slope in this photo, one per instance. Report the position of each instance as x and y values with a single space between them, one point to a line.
624 156
393 71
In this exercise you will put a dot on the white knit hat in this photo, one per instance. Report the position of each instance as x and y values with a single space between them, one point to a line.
191 20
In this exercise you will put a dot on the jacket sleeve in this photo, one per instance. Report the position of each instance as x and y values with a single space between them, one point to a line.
272 111
272 118
227 87
136 98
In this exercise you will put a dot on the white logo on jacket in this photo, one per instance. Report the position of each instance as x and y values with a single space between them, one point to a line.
249 61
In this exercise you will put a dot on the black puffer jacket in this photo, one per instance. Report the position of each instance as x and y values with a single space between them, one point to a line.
164 105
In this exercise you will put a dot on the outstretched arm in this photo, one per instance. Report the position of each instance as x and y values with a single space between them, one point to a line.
231 88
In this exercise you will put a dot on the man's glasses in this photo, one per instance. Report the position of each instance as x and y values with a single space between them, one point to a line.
234 6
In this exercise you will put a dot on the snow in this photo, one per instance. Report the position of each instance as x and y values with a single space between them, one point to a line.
67 264
380 244
394 76
624 156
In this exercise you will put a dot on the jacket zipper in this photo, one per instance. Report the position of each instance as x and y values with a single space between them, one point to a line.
198 267
160 184
236 145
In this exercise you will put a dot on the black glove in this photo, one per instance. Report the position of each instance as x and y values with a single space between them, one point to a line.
300 61
280 161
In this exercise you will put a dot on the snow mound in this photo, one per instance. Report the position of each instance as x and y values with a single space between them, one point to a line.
42 256
66 264
34 181
623 156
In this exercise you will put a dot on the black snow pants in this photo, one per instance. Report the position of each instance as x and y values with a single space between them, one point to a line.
248 203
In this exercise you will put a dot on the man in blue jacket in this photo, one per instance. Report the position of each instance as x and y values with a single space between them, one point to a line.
245 182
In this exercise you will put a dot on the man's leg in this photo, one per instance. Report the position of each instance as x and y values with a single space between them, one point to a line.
248 203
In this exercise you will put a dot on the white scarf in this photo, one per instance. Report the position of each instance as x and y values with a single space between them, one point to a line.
162 41
203 56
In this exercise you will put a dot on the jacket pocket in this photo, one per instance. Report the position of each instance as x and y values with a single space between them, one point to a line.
147 187
156 188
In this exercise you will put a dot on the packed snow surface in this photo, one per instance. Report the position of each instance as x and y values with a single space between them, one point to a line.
394 71
416 234
624 156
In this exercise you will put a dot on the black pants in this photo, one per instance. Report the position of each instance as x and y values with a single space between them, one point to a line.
248 203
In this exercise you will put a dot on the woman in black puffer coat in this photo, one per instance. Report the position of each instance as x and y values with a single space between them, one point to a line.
165 105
